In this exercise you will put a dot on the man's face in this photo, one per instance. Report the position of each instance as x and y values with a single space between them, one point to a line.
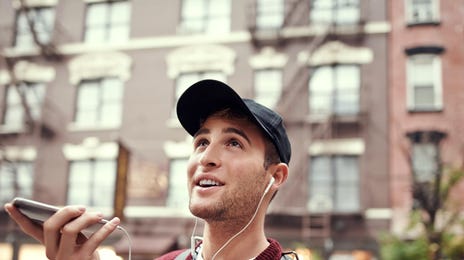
225 172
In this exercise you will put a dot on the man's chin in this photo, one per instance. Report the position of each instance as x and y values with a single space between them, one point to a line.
206 212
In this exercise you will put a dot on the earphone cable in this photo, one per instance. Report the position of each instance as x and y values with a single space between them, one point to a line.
242 230
128 239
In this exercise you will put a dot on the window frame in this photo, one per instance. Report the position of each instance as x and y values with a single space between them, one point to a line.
107 25
93 188
420 157
101 105
333 95
174 199
434 10
270 10
427 139
274 94
334 182
36 11
35 107
334 10
436 81
16 164
208 17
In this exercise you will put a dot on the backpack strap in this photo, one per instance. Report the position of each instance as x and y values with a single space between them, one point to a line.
290 255
183 255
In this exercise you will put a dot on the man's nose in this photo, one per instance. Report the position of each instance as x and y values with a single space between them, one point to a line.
210 157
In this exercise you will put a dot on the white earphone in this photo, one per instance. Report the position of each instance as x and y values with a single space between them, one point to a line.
269 185
249 222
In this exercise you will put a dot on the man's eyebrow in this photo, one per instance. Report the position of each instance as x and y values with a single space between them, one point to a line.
237 131
201 131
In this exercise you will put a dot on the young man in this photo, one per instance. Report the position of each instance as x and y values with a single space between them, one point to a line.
240 158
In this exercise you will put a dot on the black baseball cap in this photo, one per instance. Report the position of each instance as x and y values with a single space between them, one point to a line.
208 96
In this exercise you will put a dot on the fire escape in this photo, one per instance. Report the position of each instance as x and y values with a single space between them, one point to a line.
46 50
314 225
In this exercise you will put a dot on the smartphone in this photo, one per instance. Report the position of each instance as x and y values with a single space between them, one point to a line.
38 212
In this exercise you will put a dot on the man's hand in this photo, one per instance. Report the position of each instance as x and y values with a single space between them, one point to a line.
61 233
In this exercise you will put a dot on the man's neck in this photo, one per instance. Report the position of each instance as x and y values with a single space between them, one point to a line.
250 243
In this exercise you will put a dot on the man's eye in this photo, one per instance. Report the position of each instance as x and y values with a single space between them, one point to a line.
235 143
201 142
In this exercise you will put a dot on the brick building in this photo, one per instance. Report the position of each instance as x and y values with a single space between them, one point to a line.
88 90
426 97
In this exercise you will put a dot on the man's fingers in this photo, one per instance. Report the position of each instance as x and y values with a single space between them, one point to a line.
61 232
53 226
29 227
70 232
97 238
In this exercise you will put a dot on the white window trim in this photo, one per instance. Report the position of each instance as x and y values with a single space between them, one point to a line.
268 58
34 3
28 71
77 127
208 57
162 42
409 16
94 1
18 153
348 146
336 52
90 148
378 213
437 84
100 65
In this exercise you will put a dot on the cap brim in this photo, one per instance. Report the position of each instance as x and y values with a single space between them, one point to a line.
204 98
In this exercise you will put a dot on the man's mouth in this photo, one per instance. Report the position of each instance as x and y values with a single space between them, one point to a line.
206 183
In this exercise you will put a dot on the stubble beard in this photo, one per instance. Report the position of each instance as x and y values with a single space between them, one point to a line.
235 208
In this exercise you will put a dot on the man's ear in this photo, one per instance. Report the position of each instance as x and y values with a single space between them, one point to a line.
280 173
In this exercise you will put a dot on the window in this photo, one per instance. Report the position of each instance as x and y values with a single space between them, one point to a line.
14 116
178 191
206 16
187 79
336 179
334 90
424 82
422 11
268 86
335 11
425 154
16 180
92 182
424 161
99 103
42 20
269 14
107 22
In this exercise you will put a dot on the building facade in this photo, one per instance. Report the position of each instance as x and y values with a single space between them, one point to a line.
426 98
89 87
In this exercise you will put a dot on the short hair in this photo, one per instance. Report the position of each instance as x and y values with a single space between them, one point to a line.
271 156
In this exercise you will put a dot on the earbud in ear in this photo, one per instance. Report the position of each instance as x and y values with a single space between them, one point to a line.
269 185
